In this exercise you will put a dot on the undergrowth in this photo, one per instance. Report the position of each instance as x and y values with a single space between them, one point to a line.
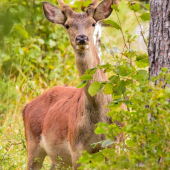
36 55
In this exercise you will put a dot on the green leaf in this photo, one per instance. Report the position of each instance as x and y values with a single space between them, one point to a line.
128 82
13 10
6 58
113 24
108 152
144 73
142 63
85 158
100 130
123 162
107 142
98 157
100 87
36 47
21 51
164 69
147 6
20 30
131 142
93 88
41 41
105 66
135 7
52 43
141 75
86 77
114 79
118 100
141 57
115 49
107 49
145 16
108 88
115 7
131 54
120 88
82 84
124 70
95 144
91 71
116 103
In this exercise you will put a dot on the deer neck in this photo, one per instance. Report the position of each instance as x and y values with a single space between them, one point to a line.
87 60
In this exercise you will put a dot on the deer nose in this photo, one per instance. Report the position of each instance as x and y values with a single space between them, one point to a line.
81 39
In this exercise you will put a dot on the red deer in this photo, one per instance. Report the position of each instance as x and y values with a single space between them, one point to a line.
61 121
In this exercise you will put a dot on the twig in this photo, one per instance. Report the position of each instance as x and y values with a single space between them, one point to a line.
139 25
108 38
141 30
121 30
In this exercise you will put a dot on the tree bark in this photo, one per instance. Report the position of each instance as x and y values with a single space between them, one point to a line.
159 36
143 0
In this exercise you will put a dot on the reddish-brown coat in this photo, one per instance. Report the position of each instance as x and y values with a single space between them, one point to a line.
60 104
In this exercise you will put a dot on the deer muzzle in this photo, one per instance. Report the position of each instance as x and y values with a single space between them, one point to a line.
81 40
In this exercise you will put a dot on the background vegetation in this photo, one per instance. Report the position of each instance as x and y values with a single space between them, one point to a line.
36 55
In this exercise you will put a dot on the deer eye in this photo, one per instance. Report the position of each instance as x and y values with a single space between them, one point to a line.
94 24
67 26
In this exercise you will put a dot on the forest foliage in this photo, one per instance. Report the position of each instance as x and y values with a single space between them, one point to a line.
36 55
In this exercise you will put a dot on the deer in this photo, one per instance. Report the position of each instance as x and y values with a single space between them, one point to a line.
61 121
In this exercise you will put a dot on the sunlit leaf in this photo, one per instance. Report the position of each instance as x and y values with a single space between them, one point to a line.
108 88
123 162
134 6
115 49
145 16
100 130
86 77
109 50
82 84
36 47
114 79
93 88
142 63
113 24
115 7
107 142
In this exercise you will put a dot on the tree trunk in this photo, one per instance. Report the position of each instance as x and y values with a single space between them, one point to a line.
159 36
143 0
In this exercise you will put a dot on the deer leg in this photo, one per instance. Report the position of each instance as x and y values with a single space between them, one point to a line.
36 155
57 167
52 167
75 158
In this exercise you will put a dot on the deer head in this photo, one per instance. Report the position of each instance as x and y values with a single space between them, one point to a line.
80 26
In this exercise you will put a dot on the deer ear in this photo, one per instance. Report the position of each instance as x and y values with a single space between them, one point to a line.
53 13
103 10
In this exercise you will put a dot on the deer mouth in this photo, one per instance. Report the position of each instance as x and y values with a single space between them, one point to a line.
82 47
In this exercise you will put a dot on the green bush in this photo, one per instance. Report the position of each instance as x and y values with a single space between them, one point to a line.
31 47
146 141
